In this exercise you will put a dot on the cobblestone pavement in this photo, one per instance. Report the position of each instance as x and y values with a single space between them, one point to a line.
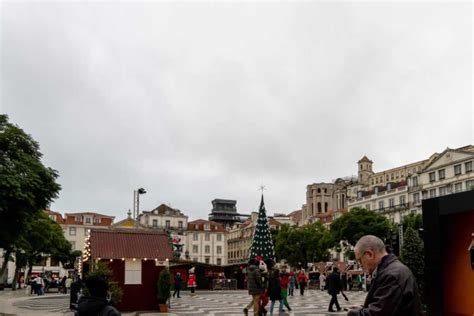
225 303
314 302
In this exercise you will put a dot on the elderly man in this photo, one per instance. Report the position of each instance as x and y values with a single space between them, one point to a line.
394 291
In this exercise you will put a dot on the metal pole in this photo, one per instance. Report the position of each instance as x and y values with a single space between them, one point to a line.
138 209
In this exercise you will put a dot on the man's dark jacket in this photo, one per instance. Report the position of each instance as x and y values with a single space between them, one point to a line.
333 283
254 281
393 292
95 306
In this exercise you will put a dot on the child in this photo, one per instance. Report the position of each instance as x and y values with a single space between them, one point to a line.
274 290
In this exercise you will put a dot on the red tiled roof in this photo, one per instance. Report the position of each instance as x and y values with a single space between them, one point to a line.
214 226
59 217
116 244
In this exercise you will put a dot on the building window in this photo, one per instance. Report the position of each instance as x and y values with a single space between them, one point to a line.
86 231
88 220
416 198
207 237
72 231
133 272
442 191
402 200
97 220
206 227
319 207
457 170
432 176
78 219
180 224
325 206
167 223
155 223
219 237
195 236
219 250
325 190
415 181
367 207
207 260
381 205
468 166
441 174
470 185
207 249
219 261
53 217
195 249
458 187
432 193
319 190
391 202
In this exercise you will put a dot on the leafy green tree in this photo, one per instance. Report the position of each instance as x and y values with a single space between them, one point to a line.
26 185
303 245
412 256
351 226
413 220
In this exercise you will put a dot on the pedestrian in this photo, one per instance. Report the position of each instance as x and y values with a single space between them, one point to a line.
302 280
284 280
393 289
39 285
275 291
322 281
291 284
75 292
177 284
192 280
368 281
349 282
67 284
96 303
255 286
334 286
62 285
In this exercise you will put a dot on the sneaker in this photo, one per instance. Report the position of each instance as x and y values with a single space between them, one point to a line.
246 312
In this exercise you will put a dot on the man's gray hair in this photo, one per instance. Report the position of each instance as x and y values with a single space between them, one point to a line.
370 242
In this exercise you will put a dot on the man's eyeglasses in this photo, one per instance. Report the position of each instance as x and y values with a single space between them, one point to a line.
360 258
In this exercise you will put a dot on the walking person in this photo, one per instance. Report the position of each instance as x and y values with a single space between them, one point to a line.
291 284
302 280
393 289
322 281
275 291
334 286
284 281
255 286
177 284
68 284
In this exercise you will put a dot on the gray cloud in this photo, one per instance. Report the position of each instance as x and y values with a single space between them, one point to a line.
196 101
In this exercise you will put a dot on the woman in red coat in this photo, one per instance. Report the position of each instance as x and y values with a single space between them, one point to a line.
302 280
192 281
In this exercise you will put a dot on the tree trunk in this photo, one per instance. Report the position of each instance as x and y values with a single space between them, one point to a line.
15 277
6 258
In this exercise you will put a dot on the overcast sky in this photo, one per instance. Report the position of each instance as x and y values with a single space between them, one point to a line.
197 101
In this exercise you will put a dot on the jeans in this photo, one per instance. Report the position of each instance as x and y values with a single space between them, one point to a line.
273 304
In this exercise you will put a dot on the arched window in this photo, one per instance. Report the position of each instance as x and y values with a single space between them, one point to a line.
319 207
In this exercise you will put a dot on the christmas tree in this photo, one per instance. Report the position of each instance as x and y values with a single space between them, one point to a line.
262 244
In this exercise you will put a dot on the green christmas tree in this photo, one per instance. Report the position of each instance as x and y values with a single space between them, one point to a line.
412 256
262 244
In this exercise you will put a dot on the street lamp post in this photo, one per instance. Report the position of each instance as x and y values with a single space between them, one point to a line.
136 203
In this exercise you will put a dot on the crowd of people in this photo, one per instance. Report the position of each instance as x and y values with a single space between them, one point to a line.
40 284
